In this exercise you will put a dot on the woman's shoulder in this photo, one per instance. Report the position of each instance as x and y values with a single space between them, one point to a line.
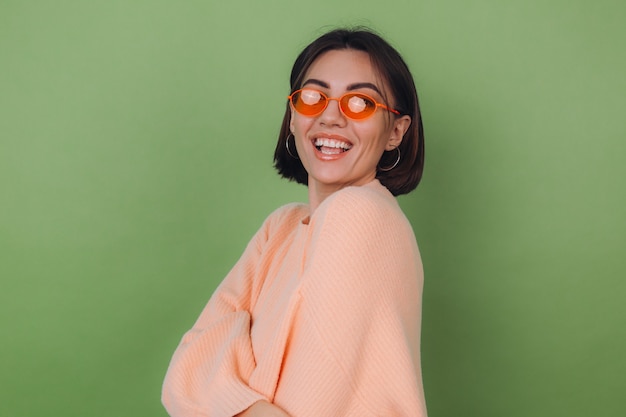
281 222
288 215
362 213
368 203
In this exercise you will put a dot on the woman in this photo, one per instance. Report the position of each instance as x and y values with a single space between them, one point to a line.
321 315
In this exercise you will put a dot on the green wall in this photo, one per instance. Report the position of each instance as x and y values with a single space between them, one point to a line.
131 180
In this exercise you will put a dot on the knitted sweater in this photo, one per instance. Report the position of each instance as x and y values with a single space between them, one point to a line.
320 316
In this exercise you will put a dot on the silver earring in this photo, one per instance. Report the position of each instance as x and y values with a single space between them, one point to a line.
289 150
395 164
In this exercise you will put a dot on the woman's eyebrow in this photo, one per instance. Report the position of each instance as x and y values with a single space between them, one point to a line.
351 87
316 82
371 86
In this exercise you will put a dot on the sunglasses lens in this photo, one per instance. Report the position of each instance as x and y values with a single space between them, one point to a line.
309 102
357 106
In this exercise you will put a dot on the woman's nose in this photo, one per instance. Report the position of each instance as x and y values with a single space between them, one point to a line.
332 114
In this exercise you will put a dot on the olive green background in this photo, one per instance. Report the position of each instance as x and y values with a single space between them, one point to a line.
136 143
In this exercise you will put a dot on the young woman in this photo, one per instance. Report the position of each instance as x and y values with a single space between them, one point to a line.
321 315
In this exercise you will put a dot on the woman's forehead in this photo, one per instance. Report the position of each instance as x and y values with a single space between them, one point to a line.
343 66
341 70
344 70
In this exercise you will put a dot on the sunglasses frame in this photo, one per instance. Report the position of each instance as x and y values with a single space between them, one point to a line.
339 101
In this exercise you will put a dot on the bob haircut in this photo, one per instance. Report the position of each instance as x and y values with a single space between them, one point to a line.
388 63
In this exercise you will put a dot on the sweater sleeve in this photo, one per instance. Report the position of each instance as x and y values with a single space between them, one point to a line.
209 371
362 305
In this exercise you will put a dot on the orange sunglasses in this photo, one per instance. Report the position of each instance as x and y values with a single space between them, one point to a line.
355 106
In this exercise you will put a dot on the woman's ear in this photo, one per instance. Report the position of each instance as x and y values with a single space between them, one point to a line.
400 126
291 120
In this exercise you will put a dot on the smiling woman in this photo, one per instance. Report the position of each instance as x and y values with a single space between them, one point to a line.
388 83
340 147
321 315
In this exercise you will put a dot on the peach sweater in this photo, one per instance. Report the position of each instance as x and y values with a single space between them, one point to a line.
321 319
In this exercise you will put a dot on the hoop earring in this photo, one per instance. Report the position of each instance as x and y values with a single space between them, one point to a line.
395 164
287 146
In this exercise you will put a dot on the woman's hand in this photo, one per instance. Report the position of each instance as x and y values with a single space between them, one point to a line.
263 409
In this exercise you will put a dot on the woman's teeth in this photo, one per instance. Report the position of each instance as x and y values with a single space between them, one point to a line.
331 146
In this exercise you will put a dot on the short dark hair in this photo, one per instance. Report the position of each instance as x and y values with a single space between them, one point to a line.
404 177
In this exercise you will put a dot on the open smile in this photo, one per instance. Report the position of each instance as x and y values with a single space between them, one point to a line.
331 146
